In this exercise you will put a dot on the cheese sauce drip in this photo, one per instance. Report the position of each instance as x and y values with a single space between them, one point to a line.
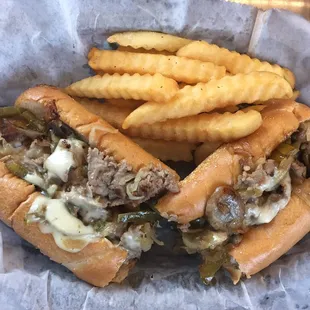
70 234
35 179
68 153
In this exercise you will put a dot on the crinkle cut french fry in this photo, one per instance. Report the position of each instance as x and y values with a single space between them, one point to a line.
204 150
178 68
149 40
233 61
193 129
296 94
111 113
139 87
100 72
182 85
200 128
167 150
164 150
123 103
142 50
230 109
228 91
258 108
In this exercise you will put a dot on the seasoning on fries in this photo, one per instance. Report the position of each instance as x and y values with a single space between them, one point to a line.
200 128
233 61
253 159
139 87
113 114
228 91
178 68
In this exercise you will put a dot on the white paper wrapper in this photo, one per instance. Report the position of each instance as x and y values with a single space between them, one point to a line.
47 42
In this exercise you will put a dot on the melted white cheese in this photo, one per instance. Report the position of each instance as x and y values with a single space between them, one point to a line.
132 241
52 189
35 179
63 221
81 201
63 159
267 214
257 215
70 234
135 240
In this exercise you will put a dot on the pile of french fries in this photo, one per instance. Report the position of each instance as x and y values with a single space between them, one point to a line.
175 96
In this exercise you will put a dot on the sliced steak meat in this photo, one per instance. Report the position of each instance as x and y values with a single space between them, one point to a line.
11 134
38 151
258 177
265 177
50 111
303 133
152 180
269 167
106 177
120 185
265 191
305 156
298 172
36 154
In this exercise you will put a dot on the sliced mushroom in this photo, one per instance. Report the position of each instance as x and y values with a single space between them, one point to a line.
225 210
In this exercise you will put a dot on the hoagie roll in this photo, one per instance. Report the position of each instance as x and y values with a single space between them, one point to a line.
72 185
247 203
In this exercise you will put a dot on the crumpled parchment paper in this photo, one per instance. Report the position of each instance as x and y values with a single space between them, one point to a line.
47 42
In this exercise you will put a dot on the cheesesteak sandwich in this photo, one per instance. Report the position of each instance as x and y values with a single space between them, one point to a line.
249 202
72 185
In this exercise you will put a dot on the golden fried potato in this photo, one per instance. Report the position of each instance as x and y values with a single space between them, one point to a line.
123 103
182 85
230 109
167 150
115 115
149 40
139 87
193 129
204 150
233 61
228 91
111 113
178 68
296 94
203 127
99 72
142 50
258 108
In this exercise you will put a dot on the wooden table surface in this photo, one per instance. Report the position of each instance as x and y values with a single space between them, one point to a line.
301 7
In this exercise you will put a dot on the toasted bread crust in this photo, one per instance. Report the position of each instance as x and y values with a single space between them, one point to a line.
220 168
14 191
98 263
98 132
264 244
280 119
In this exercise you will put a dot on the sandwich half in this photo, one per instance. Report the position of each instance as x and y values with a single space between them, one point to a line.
248 203
75 187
